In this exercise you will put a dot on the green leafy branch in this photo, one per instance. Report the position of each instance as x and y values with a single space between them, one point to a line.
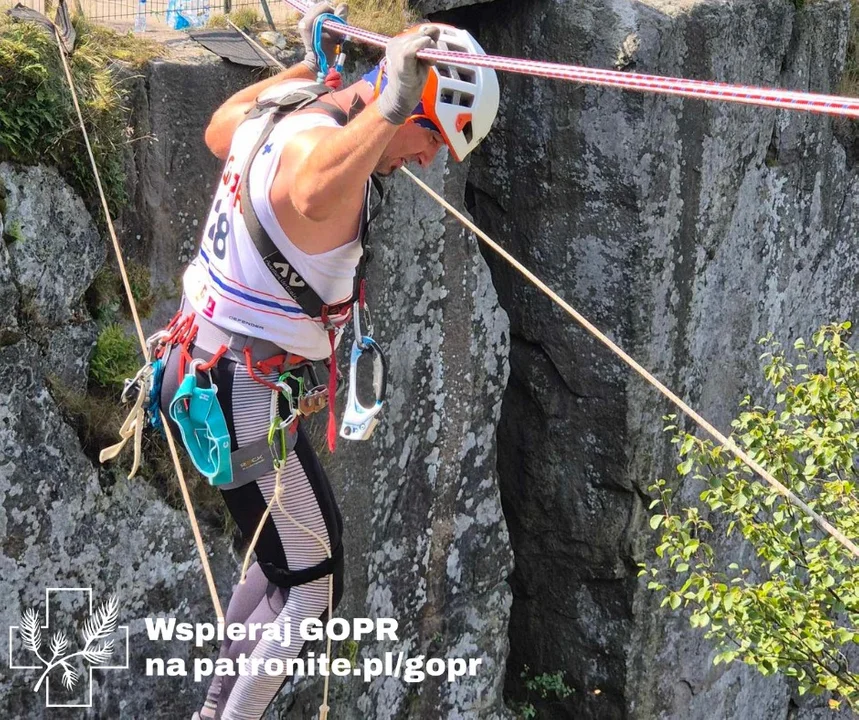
795 611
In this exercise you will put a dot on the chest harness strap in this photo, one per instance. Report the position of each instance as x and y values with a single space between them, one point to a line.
281 269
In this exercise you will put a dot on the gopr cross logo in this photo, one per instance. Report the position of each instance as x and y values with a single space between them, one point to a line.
98 648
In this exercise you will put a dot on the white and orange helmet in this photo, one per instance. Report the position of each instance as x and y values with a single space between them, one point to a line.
459 102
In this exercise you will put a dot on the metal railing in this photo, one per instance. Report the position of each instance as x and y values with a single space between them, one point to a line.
160 14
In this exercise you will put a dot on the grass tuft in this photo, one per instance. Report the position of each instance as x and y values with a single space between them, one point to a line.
388 17
105 297
116 357
38 123
245 18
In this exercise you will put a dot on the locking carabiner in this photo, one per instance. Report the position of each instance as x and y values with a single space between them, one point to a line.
359 421
340 56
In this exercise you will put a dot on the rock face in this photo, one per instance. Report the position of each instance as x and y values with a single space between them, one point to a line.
426 539
686 230
62 522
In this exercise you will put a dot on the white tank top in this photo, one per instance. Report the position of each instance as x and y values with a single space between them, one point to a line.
229 283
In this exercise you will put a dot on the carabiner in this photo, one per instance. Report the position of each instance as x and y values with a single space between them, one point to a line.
154 340
317 45
278 423
356 323
139 383
359 422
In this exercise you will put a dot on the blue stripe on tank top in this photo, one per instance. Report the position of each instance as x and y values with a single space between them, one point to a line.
245 296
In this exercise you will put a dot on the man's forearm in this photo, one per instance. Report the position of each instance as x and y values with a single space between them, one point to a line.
249 94
335 170
219 132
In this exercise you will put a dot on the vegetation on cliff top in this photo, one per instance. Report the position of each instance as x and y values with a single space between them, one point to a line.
38 123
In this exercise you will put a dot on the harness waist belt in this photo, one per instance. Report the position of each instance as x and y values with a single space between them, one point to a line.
210 338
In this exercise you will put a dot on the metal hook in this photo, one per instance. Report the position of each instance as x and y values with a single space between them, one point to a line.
356 323
359 422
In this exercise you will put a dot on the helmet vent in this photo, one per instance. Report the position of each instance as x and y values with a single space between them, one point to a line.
455 47
465 75
444 70
465 100
468 131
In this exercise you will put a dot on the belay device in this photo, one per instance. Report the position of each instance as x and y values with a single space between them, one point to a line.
359 421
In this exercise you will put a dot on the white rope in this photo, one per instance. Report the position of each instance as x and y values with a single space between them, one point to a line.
279 465
724 441
189 506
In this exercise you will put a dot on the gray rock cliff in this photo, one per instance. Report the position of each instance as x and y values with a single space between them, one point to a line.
686 231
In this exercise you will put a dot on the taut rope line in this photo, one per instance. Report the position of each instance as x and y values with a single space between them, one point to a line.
724 441
189 506
705 425
699 89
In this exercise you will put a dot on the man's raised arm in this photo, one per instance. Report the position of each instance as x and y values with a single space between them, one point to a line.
322 171
219 132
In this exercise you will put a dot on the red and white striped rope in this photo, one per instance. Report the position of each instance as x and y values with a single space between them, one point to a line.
702 90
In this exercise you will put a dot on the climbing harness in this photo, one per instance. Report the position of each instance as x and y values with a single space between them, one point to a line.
360 421
332 317
198 414
323 75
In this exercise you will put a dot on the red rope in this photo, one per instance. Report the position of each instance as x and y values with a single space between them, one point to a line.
249 363
332 381
702 90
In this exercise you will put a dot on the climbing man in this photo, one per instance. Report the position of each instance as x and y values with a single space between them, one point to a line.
280 265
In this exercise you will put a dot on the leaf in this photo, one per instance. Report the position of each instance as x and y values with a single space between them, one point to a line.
100 655
656 521
59 643
70 676
31 631
102 623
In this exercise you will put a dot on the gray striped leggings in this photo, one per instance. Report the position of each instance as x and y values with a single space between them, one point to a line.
308 497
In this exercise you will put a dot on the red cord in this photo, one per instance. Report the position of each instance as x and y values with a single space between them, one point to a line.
249 363
332 390
333 79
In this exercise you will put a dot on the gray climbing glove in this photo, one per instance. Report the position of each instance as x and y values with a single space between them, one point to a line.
329 40
407 75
